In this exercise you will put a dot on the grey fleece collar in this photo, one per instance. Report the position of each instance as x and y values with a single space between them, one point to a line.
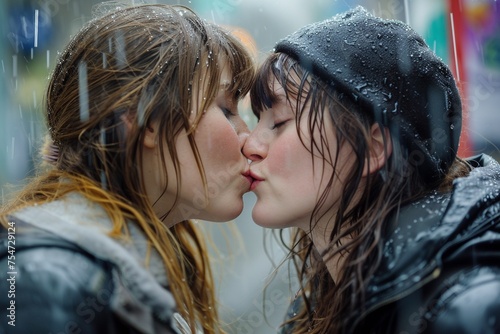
85 224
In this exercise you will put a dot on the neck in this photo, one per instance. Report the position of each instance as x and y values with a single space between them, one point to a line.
321 242
322 231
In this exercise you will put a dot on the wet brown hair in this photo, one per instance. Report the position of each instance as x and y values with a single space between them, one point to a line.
145 63
358 223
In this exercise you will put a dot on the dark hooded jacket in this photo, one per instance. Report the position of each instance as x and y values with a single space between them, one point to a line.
440 271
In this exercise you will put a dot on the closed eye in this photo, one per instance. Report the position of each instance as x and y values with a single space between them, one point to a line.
279 124
227 112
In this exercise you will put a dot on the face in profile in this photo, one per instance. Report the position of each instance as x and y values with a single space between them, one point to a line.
219 136
290 176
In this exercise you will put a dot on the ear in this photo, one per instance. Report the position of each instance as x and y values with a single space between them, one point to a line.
380 149
150 137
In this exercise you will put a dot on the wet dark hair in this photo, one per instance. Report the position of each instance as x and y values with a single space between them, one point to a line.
327 305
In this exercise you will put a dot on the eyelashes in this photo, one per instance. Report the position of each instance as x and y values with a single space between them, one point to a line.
228 113
279 124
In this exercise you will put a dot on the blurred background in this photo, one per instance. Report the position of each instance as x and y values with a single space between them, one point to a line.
464 33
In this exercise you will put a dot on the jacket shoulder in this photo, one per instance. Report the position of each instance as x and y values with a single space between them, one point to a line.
467 302
55 287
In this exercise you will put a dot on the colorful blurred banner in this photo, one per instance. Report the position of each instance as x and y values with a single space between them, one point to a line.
480 43
457 61
483 31
466 35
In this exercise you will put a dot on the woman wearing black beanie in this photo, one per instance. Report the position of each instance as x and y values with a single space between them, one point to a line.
356 149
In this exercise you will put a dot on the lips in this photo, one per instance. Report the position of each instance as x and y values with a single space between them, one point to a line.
248 176
256 180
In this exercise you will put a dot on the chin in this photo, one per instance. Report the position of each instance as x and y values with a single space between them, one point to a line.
224 213
267 221
269 225
264 222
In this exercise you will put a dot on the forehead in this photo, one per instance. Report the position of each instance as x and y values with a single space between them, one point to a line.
208 71
277 89
287 90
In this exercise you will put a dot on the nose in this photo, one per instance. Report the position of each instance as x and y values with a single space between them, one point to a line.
256 145
242 130
243 137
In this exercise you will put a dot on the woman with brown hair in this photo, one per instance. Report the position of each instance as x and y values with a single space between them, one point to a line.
145 135
356 149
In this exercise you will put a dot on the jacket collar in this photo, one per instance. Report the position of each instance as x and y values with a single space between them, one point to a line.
419 234
138 294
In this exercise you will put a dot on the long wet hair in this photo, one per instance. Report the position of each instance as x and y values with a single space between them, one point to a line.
147 64
358 221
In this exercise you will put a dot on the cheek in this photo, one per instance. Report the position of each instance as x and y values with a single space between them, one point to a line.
225 141
218 143
289 158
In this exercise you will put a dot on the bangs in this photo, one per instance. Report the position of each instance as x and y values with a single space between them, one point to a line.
262 94
286 71
216 48
221 44
241 65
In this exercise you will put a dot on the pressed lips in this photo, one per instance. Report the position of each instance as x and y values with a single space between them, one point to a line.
256 180
248 176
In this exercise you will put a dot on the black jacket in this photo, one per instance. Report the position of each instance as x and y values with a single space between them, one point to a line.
57 276
440 271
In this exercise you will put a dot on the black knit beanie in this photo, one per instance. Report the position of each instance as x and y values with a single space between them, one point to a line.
388 70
